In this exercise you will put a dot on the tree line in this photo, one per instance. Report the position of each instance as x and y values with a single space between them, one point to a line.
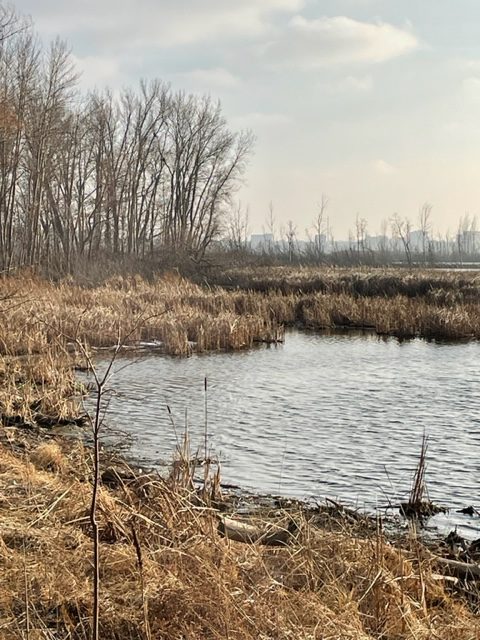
130 173
400 239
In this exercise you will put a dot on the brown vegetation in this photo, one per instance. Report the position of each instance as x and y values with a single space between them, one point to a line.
180 317
38 391
398 302
166 573
176 314
463 286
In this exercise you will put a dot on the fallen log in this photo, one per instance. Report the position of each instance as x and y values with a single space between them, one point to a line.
462 570
270 534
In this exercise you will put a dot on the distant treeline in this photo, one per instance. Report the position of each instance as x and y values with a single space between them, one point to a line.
400 241
104 174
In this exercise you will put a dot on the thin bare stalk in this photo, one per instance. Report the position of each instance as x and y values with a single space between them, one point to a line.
138 551
27 594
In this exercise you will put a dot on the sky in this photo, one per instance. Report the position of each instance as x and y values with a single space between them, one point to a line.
374 103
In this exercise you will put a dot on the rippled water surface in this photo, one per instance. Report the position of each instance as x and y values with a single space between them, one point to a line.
338 416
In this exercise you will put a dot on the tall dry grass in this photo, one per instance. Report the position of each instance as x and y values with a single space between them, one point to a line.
167 574
420 303
454 285
183 317
38 390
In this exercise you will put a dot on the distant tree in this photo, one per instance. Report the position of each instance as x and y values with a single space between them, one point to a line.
270 222
320 226
401 229
383 243
291 234
361 234
238 227
425 229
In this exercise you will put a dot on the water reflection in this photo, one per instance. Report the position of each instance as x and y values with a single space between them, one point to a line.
339 416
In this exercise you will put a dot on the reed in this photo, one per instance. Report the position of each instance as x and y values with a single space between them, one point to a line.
38 390
172 311
443 305
181 317
452 286
165 572
334 581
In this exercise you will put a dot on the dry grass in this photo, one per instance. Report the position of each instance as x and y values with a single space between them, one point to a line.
38 390
165 571
181 317
449 286
420 303
331 583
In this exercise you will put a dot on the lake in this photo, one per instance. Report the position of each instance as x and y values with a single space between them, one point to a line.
322 415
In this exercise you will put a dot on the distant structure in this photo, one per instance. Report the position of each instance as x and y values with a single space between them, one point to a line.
321 242
417 245
262 242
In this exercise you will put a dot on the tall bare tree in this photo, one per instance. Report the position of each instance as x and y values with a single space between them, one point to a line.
320 226
425 228
238 227
130 175
401 229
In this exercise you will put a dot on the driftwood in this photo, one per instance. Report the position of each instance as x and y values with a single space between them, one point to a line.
462 570
269 340
270 534
421 509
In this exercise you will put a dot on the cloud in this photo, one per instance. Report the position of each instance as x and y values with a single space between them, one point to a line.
469 65
471 88
160 24
384 168
256 120
207 79
97 71
349 84
311 44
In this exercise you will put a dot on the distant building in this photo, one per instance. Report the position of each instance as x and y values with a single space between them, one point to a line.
321 242
261 242
417 239
468 241
377 243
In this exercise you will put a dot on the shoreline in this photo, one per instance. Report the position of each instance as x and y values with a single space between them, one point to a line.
167 519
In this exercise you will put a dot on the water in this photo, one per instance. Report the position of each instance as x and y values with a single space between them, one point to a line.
339 416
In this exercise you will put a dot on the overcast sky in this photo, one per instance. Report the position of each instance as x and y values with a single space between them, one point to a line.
375 103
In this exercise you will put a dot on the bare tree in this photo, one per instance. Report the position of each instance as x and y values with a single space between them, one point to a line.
11 24
291 234
425 228
401 229
44 129
320 226
204 165
128 175
238 228
383 243
361 234
270 220
18 74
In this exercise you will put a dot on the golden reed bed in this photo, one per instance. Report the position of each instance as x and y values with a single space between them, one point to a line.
185 317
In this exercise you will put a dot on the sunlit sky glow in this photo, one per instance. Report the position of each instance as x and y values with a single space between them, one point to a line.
375 103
